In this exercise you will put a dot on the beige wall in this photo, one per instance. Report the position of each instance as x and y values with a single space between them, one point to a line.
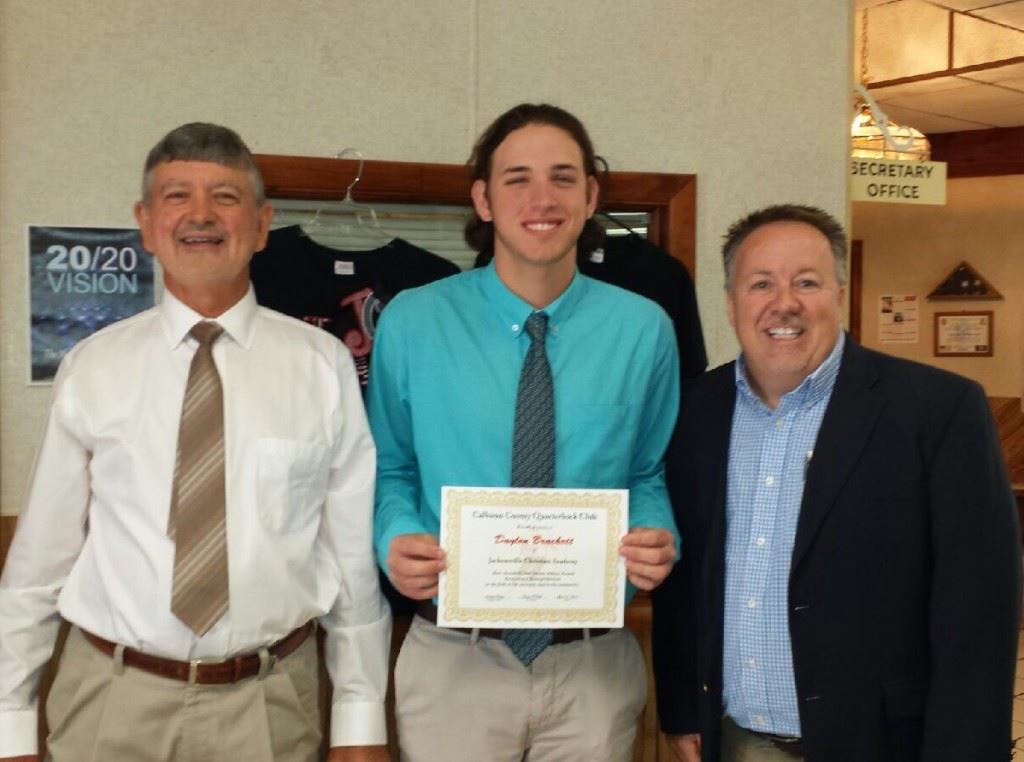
911 249
751 96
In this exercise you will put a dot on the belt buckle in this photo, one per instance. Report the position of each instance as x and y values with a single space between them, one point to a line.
193 668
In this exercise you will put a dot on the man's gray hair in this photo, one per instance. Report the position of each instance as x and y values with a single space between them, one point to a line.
817 218
201 141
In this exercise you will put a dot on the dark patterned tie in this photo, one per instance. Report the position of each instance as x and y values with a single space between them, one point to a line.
199 595
533 453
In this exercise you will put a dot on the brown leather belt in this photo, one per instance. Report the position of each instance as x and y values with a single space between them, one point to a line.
203 672
428 611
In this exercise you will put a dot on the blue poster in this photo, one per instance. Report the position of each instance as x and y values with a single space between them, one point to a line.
80 280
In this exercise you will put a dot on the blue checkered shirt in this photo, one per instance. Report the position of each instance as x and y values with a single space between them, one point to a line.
768 457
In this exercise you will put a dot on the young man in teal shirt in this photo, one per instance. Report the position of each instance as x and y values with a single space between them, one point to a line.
442 404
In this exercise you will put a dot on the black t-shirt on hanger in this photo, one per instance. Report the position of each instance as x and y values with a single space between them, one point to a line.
342 292
637 265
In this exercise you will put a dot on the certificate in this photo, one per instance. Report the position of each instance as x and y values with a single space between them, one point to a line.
963 334
532 558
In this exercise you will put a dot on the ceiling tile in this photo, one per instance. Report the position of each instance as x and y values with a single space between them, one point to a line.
929 123
976 41
964 100
970 5
1011 14
921 86
905 39
1000 74
1013 84
1003 117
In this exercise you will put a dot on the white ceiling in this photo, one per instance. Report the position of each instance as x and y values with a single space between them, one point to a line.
944 65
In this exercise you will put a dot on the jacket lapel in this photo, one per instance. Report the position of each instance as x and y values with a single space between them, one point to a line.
717 435
850 418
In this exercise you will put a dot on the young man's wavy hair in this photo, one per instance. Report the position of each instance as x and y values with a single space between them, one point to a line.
479 234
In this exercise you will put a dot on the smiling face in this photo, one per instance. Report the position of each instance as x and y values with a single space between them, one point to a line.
785 302
202 222
538 197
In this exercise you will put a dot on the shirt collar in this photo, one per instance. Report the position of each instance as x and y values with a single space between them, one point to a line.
513 311
238 322
816 386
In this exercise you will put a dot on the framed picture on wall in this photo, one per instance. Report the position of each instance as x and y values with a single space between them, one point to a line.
963 334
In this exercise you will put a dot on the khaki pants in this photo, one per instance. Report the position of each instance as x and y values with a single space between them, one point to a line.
740 745
99 713
474 701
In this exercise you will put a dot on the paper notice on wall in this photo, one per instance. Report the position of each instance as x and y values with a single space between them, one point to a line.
898 319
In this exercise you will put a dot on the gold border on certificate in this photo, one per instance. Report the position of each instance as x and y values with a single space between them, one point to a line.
615 504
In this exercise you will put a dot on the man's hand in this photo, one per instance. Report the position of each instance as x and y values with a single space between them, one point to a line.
686 748
414 561
649 555
356 754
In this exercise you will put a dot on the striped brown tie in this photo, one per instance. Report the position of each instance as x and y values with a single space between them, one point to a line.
199 595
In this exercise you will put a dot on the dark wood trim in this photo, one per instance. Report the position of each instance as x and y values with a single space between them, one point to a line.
950 32
856 290
950 72
671 199
6 535
399 182
980 153
1009 416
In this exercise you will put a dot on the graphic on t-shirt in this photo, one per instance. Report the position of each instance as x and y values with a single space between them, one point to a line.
342 292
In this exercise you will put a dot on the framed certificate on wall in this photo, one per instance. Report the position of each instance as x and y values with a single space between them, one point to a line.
963 334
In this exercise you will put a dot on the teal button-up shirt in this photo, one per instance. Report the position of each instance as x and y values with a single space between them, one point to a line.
442 395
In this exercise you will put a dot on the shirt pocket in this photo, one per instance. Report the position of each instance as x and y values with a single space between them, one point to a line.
291 483
599 443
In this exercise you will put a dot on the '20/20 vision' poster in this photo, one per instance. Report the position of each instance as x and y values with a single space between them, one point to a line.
80 280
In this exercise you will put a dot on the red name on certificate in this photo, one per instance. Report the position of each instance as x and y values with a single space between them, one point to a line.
500 539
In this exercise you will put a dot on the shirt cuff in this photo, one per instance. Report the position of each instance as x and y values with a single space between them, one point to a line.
358 724
19 733
400 526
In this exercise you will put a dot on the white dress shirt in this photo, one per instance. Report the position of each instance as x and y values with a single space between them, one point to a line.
92 539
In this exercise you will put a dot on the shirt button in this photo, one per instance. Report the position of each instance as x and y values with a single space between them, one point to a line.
515 326
759 719
751 603
760 542
780 423
752 663
770 480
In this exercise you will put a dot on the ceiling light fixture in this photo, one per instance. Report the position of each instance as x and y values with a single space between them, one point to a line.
872 134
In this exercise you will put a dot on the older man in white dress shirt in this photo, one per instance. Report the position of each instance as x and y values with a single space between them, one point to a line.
202 498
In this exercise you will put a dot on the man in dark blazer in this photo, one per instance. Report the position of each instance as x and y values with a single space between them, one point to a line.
850 577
